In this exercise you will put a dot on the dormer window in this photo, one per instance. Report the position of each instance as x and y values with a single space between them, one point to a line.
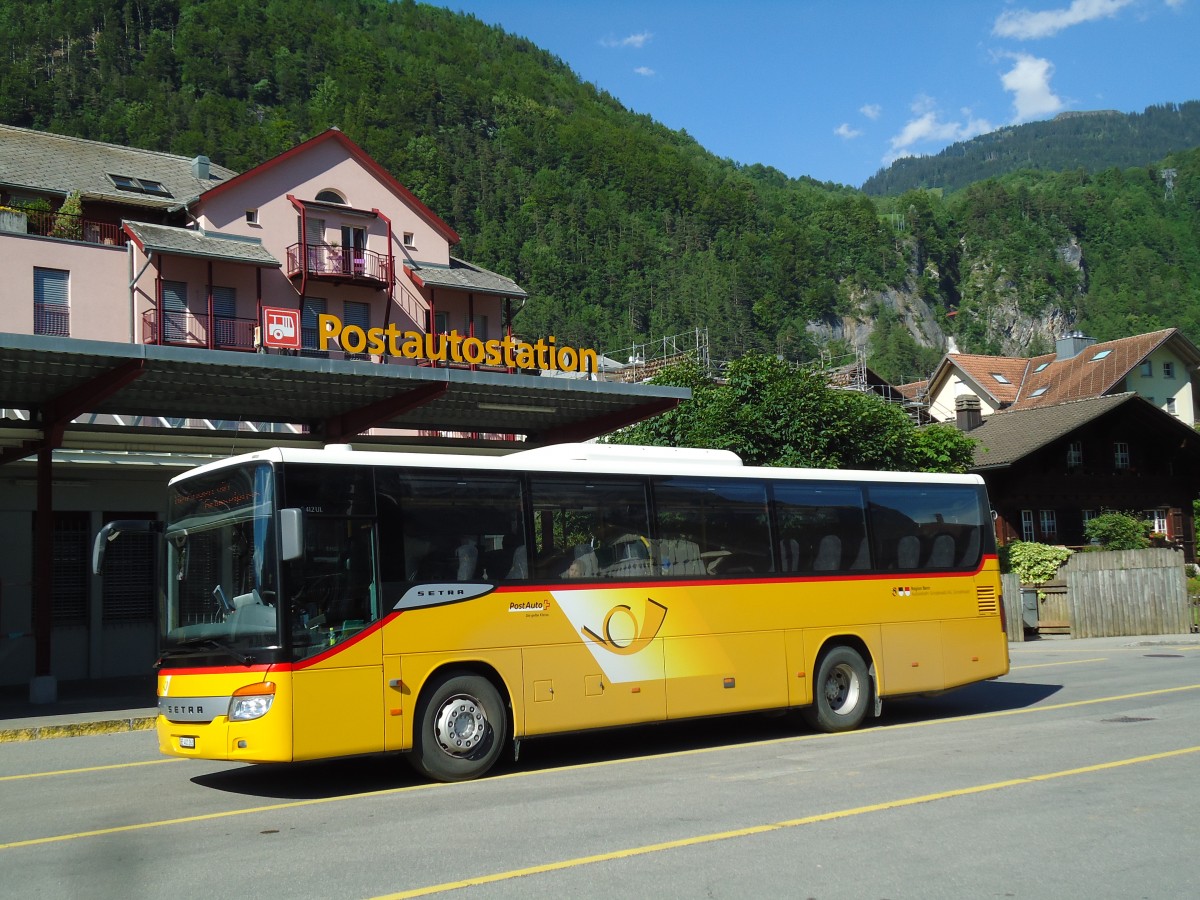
331 197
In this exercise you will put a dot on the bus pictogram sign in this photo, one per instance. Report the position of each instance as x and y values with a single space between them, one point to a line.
282 328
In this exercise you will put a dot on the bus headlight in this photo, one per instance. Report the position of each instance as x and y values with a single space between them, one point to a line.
251 702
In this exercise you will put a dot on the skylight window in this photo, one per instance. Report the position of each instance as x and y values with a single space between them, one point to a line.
1039 392
139 185
1100 355
1040 367
154 187
1000 378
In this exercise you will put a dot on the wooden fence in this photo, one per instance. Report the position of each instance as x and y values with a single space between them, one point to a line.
1109 594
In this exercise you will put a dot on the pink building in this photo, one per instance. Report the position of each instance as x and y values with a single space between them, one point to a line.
176 251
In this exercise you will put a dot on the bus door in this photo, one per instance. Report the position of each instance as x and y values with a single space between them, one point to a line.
334 600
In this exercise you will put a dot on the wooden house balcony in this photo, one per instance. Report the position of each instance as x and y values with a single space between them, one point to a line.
339 265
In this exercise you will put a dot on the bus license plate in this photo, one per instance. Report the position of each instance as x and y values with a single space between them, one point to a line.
187 743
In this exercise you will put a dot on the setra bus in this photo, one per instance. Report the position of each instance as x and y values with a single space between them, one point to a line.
322 603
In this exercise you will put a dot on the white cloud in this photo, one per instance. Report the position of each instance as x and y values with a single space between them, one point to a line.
637 41
1025 24
644 70
872 111
927 130
845 131
1029 83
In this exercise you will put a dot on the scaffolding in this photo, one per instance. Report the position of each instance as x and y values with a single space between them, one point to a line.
645 360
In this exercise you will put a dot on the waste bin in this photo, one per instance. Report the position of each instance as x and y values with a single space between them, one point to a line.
1029 608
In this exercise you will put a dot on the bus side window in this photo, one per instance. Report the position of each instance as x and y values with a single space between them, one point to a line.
933 526
827 521
587 528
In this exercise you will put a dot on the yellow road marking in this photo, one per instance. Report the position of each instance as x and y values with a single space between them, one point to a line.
295 804
145 762
1073 662
775 826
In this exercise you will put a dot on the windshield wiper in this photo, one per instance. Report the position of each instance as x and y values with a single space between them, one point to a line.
203 647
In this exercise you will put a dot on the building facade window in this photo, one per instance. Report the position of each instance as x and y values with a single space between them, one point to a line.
312 308
51 302
1168 370
355 313
224 324
1120 455
69 568
1049 524
1158 520
1074 454
175 312
1147 369
1171 405
130 574
1027 533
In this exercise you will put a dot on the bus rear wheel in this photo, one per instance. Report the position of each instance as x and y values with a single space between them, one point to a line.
460 728
841 692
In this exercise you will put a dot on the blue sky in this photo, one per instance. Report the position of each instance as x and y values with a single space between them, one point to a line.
837 90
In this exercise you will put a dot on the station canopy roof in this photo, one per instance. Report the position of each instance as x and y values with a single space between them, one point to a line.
73 389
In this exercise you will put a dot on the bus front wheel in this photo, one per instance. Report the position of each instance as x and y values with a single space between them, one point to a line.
841 692
461 725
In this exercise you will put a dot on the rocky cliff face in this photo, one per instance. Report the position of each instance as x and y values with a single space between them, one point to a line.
994 316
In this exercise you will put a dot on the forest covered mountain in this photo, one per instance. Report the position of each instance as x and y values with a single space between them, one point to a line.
619 228
1091 141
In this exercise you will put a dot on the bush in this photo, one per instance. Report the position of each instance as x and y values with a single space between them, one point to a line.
1031 562
1118 531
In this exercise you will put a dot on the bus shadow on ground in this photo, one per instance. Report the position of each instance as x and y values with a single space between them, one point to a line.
975 699
358 775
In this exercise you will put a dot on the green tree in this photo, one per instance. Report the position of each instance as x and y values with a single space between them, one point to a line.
775 413
68 221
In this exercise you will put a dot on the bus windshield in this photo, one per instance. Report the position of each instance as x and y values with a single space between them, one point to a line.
221 569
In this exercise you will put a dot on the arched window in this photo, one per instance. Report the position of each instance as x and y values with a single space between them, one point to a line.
331 197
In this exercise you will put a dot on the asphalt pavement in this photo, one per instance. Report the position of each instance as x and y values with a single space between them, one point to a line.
110 705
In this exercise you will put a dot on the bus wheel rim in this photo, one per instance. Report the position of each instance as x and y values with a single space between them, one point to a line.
842 689
460 725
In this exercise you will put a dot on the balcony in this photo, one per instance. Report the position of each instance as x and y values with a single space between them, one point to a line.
64 226
186 329
339 265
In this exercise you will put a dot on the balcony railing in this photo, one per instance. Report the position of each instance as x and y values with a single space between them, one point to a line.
338 264
74 228
187 329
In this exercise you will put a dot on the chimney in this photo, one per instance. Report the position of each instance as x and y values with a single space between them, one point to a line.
967 412
201 168
1071 345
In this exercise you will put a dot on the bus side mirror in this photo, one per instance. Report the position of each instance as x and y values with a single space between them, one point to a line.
291 533
113 530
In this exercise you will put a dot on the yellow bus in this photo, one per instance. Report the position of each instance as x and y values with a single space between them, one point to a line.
322 603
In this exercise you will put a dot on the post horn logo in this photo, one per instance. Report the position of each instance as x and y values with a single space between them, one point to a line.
622 633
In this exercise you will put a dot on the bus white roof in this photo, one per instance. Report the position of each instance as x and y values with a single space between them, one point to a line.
617 459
